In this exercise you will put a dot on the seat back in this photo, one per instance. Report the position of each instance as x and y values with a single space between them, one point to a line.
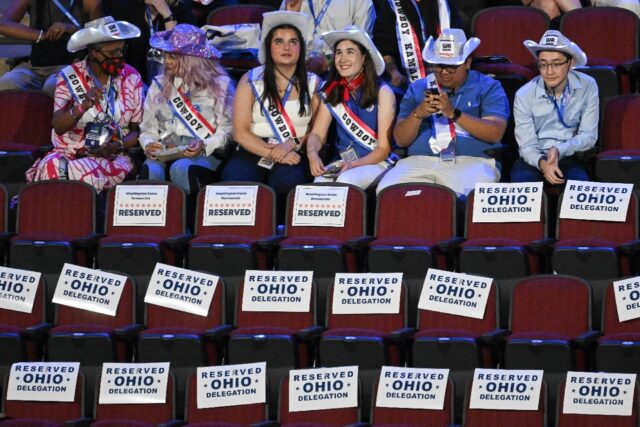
241 414
24 320
26 117
552 304
616 232
522 232
333 417
4 211
275 319
238 14
355 219
56 412
591 28
429 320
174 221
152 413
610 322
430 208
503 29
571 420
56 210
125 315
404 416
620 125
164 317
265 219
383 323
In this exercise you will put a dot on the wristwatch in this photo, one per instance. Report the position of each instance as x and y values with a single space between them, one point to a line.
456 115
541 158
169 19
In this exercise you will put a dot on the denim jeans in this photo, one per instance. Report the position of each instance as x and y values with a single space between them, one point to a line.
181 171
571 169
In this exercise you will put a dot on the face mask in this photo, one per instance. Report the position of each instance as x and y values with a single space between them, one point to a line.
112 66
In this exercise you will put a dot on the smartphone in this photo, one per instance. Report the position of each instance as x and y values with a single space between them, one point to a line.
431 91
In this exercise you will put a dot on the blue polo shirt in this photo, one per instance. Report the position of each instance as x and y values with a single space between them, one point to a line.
479 96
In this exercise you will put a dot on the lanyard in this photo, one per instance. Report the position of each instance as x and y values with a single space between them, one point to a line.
323 11
560 108
152 28
67 13
423 30
287 92
111 99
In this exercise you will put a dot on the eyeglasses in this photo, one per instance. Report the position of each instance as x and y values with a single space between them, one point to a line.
118 52
281 42
448 68
551 66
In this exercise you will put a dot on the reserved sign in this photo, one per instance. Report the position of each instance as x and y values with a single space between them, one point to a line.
596 201
455 293
277 291
43 381
627 293
505 389
18 289
412 388
232 385
319 206
230 205
599 393
134 383
367 293
507 202
323 388
140 205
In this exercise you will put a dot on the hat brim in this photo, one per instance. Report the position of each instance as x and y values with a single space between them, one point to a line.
331 38
271 20
160 40
571 49
430 56
88 36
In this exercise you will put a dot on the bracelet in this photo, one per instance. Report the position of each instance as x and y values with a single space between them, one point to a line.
40 36
416 116
169 18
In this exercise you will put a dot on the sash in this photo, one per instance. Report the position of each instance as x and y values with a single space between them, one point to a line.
358 130
67 13
276 115
188 114
79 87
408 43
443 129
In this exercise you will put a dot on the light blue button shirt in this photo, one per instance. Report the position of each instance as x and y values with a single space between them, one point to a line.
538 126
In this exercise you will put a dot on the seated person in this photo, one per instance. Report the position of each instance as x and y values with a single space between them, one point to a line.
51 24
449 119
363 107
556 114
554 8
188 106
274 105
97 110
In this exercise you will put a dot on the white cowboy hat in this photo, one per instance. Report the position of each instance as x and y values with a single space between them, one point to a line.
273 19
451 47
102 30
553 40
352 32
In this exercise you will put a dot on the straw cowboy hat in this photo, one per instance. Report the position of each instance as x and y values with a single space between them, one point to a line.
102 30
353 33
553 40
184 39
273 19
451 47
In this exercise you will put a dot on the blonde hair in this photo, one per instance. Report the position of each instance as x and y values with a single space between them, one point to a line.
198 74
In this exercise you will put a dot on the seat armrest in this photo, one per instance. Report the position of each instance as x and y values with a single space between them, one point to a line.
450 245
630 67
630 248
38 332
541 246
178 242
44 149
358 425
495 150
491 59
87 242
494 337
128 333
310 333
402 335
265 424
5 237
587 339
79 422
269 243
217 333
172 423
359 243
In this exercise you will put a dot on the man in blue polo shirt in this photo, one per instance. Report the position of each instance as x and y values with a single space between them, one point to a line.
556 114
448 119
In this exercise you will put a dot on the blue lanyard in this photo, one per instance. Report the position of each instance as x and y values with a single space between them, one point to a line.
67 13
560 108
152 29
287 92
111 97
317 19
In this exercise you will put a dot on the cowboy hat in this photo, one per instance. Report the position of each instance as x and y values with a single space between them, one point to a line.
184 39
555 41
271 20
353 33
451 47
102 30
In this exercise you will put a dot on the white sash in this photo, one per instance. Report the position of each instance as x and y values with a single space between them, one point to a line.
408 43
277 118
444 14
444 131
354 126
76 82
188 115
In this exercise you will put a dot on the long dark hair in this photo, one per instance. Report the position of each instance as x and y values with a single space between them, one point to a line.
300 74
369 87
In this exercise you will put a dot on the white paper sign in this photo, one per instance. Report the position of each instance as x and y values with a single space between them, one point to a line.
320 206
89 289
412 388
592 393
134 383
515 390
277 291
507 202
455 293
43 381
140 205
232 385
18 289
230 205
627 293
181 289
367 293
596 201
323 388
